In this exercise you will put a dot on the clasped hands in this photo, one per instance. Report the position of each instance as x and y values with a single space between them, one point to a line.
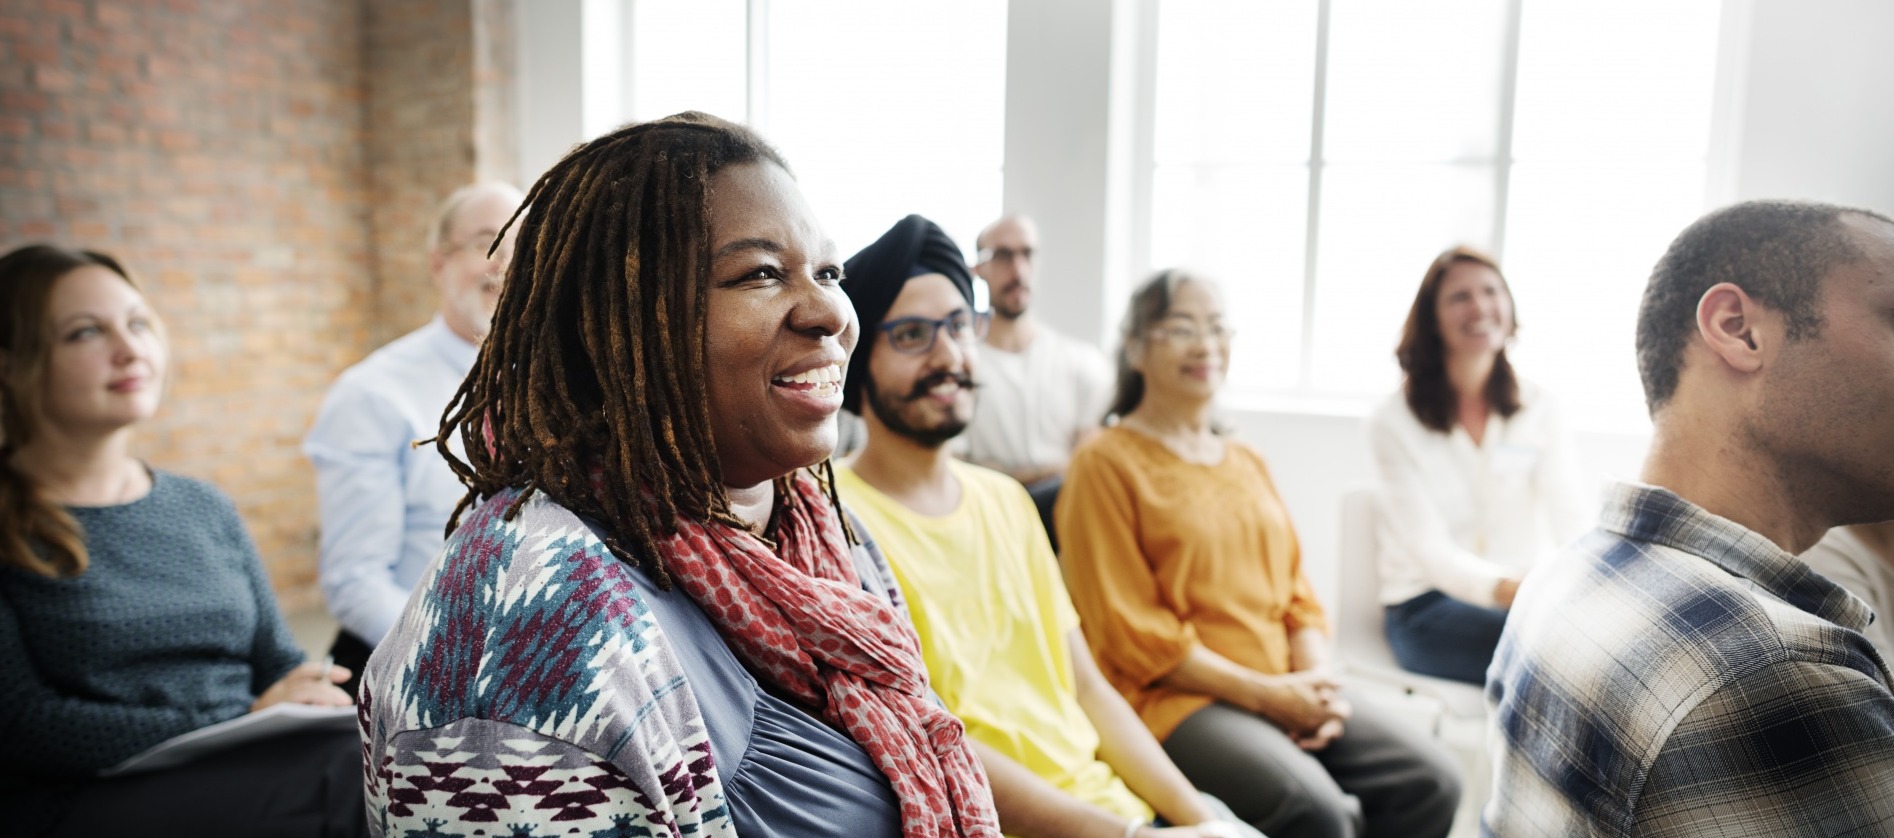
1307 705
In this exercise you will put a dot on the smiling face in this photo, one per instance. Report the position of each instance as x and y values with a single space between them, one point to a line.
105 367
468 279
1474 310
1185 355
778 328
927 396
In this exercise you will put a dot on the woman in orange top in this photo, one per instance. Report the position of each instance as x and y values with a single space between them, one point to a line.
1189 585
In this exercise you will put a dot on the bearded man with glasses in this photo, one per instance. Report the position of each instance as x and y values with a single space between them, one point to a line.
1065 755
384 502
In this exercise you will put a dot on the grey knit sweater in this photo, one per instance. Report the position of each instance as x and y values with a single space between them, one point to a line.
172 627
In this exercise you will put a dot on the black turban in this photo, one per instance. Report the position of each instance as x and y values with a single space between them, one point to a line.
913 247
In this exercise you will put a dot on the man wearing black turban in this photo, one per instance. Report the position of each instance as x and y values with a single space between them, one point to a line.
1001 641
913 247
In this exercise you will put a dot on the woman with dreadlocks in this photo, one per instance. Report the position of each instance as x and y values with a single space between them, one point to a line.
654 617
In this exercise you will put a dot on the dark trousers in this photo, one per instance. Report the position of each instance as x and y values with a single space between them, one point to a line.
303 785
1435 634
352 652
1045 494
1381 778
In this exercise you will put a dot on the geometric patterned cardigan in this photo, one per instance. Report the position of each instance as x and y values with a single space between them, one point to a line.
527 690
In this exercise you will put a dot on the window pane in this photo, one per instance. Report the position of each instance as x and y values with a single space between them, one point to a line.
885 109
1414 81
1242 227
1650 99
1580 245
1235 81
1381 226
689 55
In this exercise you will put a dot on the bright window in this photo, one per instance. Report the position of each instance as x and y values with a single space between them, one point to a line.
882 109
1314 156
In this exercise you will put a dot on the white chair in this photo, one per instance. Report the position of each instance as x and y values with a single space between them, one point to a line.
1368 661
1359 633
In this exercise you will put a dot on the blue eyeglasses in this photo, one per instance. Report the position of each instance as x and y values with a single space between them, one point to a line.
916 335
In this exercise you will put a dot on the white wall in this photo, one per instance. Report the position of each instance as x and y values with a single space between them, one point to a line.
550 37
1058 119
1818 110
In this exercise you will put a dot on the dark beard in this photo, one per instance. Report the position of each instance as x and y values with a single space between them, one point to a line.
934 437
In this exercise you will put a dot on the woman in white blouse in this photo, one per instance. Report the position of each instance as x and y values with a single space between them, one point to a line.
1477 472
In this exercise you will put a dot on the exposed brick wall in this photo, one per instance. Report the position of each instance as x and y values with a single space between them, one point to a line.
267 167
217 148
420 58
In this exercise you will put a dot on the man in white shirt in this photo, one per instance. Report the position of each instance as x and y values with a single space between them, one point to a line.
1041 393
384 502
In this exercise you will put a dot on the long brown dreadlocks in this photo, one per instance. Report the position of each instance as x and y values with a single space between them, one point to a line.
590 386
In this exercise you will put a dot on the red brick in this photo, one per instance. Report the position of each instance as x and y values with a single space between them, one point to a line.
175 141
106 132
53 80
71 9
112 14
22 102
36 52
114 65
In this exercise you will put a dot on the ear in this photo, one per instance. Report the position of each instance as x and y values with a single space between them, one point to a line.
1135 350
436 261
1727 320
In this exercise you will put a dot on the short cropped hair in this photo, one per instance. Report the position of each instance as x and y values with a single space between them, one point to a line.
448 211
1778 252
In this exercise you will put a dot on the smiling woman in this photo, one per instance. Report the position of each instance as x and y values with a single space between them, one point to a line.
1478 478
653 594
97 550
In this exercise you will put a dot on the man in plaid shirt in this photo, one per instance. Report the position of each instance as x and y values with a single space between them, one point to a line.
1679 671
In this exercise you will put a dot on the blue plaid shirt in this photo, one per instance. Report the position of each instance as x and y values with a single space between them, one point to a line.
1673 673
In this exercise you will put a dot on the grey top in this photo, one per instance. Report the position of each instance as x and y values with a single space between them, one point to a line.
785 772
172 627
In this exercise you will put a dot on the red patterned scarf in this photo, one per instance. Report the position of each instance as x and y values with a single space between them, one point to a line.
799 616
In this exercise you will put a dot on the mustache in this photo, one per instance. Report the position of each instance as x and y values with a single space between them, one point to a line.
921 387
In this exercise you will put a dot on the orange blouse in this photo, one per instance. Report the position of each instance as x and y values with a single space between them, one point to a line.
1162 554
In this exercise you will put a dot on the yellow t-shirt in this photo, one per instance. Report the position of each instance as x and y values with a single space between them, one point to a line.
992 614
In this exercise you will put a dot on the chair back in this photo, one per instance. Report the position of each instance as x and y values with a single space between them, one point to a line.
1360 635
1360 628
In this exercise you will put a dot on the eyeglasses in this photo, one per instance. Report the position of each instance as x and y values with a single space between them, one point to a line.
916 335
1187 335
1005 254
478 244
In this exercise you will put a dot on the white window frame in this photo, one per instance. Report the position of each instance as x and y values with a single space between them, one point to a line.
1306 396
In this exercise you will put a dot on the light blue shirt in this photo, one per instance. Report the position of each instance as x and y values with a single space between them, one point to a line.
384 502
